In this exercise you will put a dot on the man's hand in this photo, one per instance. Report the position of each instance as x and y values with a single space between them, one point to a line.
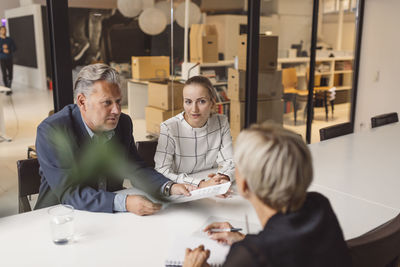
223 237
197 257
141 205
182 189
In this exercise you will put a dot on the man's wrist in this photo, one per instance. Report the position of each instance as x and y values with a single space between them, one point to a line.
167 188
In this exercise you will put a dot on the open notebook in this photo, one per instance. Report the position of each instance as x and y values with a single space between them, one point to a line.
176 253
218 252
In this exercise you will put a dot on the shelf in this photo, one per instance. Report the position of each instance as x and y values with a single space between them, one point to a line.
293 60
223 103
223 63
342 88
220 83
343 71
323 73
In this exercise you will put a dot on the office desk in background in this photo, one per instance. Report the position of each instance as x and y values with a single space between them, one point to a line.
357 173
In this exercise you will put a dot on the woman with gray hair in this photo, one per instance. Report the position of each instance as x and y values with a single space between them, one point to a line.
273 172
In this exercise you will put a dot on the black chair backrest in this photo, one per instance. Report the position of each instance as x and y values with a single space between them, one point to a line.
384 119
335 131
28 182
147 150
377 248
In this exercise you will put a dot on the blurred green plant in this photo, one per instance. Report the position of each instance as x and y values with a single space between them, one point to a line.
98 158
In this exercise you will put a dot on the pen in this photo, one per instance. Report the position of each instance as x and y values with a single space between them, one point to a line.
233 229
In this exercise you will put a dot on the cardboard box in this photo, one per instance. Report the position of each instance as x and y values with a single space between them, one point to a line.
268 53
266 110
203 43
155 116
150 68
269 85
161 95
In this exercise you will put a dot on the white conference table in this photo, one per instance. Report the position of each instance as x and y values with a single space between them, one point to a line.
124 239
120 239
364 165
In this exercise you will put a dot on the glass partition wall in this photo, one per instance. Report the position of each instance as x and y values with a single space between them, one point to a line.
285 41
285 50
334 67
155 54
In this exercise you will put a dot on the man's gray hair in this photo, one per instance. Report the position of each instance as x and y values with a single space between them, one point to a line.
276 163
91 74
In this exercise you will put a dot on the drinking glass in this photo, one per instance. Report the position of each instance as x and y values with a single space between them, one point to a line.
62 223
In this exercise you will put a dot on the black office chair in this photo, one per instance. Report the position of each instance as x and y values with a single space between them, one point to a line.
377 248
147 150
28 182
335 131
384 119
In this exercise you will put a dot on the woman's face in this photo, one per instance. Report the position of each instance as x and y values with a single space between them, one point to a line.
197 104
2 31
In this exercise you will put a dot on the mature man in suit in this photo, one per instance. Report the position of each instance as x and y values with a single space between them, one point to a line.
95 116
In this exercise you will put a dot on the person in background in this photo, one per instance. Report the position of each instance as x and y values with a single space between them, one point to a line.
197 139
85 179
273 172
7 48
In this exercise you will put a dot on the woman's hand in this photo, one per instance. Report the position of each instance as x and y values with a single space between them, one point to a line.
223 237
216 179
197 257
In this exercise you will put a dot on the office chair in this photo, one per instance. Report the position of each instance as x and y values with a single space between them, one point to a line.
377 248
147 150
290 91
324 94
384 119
335 131
31 153
28 182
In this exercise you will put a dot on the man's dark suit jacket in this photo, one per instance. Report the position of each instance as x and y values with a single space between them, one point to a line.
58 187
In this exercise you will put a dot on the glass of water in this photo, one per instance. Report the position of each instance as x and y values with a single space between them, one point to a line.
62 223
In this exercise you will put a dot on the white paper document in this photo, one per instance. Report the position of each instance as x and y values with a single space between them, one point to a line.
205 192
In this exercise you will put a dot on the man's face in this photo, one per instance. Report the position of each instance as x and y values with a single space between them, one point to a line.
101 110
2 31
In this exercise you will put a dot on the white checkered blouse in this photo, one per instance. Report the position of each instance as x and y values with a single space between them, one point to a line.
183 150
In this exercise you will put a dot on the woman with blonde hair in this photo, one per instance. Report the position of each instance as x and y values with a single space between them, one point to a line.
273 172
197 139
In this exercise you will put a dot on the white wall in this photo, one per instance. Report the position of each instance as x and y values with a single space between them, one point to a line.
34 77
330 28
380 52
7 4
295 22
